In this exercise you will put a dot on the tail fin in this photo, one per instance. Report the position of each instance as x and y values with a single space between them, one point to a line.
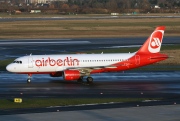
153 43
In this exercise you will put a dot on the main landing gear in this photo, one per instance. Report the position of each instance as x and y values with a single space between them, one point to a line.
89 80
29 78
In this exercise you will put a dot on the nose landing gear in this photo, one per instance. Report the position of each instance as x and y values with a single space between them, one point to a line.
29 78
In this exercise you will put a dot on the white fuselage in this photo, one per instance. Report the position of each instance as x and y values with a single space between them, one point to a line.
55 63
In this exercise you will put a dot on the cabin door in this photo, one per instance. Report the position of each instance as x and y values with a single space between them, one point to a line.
30 62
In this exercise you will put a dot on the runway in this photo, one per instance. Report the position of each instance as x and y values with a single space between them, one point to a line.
128 84
111 85
11 19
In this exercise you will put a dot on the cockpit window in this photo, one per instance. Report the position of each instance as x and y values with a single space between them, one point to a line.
19 62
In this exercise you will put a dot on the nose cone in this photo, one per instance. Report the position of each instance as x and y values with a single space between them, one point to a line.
10 68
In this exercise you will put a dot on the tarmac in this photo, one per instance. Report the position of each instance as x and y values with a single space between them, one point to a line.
146 113
131 84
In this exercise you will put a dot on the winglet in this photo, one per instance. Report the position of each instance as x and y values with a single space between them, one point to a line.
153 43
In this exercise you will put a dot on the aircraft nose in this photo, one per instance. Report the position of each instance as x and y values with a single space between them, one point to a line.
9 68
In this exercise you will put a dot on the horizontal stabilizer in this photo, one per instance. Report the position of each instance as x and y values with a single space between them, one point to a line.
159 57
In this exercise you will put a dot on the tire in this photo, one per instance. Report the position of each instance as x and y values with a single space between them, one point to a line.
89 80
28 80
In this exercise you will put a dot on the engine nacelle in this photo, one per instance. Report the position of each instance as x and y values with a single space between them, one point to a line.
56 74
70 75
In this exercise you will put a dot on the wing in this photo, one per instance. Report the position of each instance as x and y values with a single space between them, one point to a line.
87 70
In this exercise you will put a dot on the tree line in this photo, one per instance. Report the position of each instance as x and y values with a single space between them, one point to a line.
95 6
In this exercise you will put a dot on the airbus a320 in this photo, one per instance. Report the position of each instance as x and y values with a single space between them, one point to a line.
77 66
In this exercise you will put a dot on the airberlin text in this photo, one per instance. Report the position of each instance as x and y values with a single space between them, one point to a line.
68 61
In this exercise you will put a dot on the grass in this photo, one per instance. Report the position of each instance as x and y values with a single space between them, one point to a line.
87 28
47 102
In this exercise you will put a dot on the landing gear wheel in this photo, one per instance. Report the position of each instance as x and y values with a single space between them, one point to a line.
28 80
89 80
80 80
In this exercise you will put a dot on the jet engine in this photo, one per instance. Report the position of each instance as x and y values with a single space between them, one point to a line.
70 75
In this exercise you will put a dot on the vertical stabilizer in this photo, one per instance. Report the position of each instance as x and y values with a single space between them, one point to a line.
153 43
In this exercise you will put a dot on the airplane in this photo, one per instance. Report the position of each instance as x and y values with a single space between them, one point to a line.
77 66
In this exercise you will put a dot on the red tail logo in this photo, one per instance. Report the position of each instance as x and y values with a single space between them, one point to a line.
155 41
